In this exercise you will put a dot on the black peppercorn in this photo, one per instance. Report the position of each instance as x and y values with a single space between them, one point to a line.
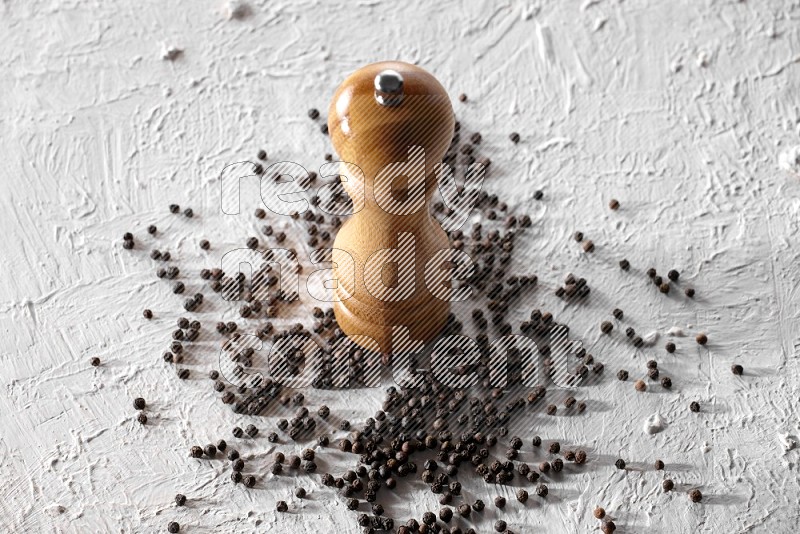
188 213
695 495
689 292
694 406
180 499
281 506
237 432
608 527
620 464
500 526
251 431
670 346
95 361
701 339
668 484
737 369
446 514
174 208
659 465
613 204
142 418
152 229
139 403
173 527
514 136
666 382
210 450
622 375
624 264
606 327
196 452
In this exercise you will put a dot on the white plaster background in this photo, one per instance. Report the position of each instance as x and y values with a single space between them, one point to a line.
686 111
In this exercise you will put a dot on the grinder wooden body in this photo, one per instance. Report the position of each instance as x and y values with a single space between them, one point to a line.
369 133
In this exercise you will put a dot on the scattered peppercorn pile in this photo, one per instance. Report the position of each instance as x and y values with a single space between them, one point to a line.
429 432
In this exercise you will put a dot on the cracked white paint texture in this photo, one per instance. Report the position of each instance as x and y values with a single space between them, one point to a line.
686 111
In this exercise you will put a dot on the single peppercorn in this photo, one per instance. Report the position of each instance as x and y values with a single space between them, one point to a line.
624 264
173 527
622 375
608 527
588 246
514 136
737 369
695 495
281 506
147 314
617 313
666 382
689 291
180 499
599 513
522 495
613 204
139 403
659 465
670 346
667 485
620 464
500 526
606 327
694 406
578 236
142 418
640 385
701 339
94 362
196 452
499 502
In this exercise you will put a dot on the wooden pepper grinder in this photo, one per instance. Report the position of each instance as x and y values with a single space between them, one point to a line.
381 119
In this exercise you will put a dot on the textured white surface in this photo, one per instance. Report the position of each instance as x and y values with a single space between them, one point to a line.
686 111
